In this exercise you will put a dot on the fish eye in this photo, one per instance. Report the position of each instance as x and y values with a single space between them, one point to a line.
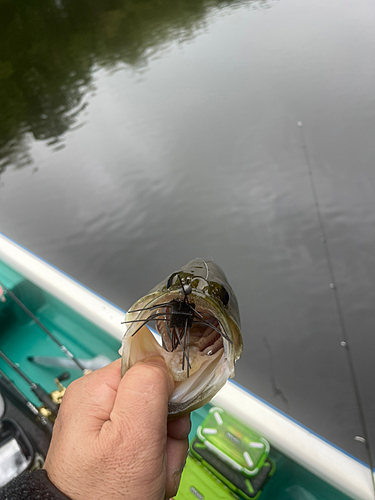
170 279
224 297
222 294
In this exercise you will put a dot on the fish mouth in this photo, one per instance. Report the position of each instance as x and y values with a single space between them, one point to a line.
192 337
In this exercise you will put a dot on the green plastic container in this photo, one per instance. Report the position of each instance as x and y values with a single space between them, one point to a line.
198 483
248 488
233 442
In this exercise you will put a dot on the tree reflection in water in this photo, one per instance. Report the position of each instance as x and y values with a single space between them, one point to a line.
49 49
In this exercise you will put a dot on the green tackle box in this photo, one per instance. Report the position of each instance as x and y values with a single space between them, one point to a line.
233 442
198 483
248 488
233 452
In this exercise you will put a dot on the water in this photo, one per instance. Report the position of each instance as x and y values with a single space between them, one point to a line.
136 136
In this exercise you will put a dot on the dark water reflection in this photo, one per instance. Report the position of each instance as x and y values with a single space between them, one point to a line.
48 52
156 132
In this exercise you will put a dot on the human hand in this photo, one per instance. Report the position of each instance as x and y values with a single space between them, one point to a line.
111 439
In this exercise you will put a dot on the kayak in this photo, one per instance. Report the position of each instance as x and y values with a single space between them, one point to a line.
53 328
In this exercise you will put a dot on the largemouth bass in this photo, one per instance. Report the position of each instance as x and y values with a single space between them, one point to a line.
196 314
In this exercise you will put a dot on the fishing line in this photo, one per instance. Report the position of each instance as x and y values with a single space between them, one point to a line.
64 349
339 310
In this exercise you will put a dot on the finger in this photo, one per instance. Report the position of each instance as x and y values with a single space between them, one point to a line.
143 393
179 428
177 450
92 397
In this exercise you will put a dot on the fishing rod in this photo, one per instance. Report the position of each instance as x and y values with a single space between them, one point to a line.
7 383
365 439
39 392
64 349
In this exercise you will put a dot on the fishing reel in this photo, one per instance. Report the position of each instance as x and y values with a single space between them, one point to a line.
56 398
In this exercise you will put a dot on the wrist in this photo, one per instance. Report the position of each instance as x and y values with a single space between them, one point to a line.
32 486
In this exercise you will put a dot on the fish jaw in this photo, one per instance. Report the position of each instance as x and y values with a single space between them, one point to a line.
188 394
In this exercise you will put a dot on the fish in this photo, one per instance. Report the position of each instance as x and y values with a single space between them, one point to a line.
196 314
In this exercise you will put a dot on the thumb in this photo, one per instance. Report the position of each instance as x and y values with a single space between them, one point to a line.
143 393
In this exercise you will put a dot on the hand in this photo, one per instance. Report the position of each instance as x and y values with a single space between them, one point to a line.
111 439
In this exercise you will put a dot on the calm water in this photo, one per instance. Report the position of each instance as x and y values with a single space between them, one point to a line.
136 136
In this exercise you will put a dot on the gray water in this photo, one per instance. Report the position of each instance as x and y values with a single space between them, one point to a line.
137 136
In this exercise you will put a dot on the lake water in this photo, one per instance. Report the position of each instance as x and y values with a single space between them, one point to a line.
136 136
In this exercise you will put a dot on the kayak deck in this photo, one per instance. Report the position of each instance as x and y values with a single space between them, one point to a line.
22 338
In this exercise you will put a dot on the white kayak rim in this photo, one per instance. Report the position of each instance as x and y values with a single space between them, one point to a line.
324 459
